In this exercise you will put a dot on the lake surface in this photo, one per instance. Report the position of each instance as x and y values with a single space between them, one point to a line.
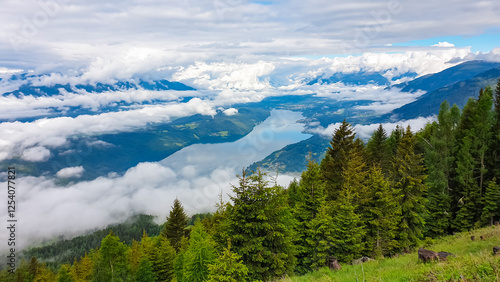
277 131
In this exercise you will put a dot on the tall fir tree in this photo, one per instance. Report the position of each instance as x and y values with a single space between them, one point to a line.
320 239
493 155
336 158
408 176
383 214
259 227
162 258
175 227
491 209
145 271
395 138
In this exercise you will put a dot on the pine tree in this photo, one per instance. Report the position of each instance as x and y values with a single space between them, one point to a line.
408 176
134 256
491 209
82 270
482 121
180 260
175 227
259 227
493 155
395 138
383 214
378 149
336 159
228 267
199 254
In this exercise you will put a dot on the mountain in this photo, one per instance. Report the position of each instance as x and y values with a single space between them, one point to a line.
457 93
38 91
461 72
357 78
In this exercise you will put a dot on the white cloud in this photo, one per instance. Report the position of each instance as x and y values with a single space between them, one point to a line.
444 44
71 172
36 154
365 131
230 112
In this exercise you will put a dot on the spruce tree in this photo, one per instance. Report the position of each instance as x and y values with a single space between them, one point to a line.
175 227
408 176
199 254
395 138
312 194
320 239
347 229
378 149
259 227
493 155
439 161
228 267
64 274
162 258
383 214
336 159
491 209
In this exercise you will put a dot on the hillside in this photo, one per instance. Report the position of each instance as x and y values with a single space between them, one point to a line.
457 93
473 262
461 72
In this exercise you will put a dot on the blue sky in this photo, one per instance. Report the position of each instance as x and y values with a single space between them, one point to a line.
478 43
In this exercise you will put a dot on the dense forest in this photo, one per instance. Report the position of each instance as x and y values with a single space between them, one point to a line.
378 199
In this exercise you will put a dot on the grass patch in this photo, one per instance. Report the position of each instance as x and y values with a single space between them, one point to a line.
474 261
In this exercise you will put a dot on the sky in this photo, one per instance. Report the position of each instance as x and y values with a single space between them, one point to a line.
230 51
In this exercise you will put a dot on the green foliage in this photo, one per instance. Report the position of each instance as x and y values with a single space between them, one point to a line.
199 254
64 274
336 159
378 149
228 267
491 209
320 240
259 227
111 261
175 227
163 258
408 176
145 271
382 216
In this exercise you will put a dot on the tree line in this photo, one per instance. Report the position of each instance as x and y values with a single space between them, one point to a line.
377 199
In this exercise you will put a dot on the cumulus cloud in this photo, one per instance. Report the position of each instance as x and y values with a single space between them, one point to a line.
71 172
36 154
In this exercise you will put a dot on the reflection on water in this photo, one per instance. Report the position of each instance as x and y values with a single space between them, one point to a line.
277 131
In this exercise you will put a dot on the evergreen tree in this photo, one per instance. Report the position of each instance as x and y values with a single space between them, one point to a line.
64 274
320 239
180 260
312 196
175 227
383 214
134 256
145 271
336 159
395 138
378 149
111 264
228 267
163 258
482 121
408 176
259 227
347 229
82 270
491 209
199 254
293 193
493 155
439 161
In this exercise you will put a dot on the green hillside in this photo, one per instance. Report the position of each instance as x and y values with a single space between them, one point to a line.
473 262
